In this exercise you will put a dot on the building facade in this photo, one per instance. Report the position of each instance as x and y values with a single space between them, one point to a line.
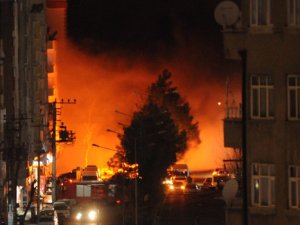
23 96
269 32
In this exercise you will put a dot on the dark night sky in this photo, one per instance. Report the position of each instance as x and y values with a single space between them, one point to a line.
151 27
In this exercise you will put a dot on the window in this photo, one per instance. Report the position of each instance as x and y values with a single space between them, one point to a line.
293 12
262 102
263 185
293 84
260 12
294 186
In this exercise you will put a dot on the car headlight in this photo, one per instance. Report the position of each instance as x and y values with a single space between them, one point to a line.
92 215
78 216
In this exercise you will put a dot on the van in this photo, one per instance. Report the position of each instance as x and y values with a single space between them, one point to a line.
90 173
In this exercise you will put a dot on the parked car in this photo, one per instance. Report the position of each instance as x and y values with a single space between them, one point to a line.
191 188
62 209
21 211
221 180
209 184
199 181
48 216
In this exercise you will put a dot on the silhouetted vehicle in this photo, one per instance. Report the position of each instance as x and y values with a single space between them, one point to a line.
48 216
84 213
191 188
177 187
209 184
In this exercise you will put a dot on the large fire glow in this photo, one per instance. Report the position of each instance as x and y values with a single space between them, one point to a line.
104 84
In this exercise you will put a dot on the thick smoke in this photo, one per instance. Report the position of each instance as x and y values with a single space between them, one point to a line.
105 75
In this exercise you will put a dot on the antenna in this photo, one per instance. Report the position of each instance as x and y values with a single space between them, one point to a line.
227 14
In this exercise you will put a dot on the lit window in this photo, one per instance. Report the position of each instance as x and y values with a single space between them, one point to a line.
293 84
262 102
263 185
260 12
294 186
293 12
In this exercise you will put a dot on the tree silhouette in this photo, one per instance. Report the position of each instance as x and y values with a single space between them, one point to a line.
153 141
166 96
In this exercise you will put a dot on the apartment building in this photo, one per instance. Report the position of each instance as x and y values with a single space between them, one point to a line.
269 32
23 95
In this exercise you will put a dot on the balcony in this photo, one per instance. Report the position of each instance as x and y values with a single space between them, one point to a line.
233 127
50 68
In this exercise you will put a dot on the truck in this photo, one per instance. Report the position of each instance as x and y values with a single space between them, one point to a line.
90 173
87 191
179 172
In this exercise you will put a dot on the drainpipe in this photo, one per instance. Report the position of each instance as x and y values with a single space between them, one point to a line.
243 54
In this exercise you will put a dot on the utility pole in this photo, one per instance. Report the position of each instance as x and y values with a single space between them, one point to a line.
53 139
243 54
68 138
136 175
14 154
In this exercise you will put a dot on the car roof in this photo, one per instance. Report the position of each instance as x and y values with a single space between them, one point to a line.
47 209
59 203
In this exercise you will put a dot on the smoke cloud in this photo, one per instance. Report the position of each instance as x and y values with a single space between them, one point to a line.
117 79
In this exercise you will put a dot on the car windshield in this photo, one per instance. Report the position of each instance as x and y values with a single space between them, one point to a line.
47 213
60 207
178 183
46 219
180 178
89 178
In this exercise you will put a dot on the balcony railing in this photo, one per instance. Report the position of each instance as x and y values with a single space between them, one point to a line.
233 111
233 126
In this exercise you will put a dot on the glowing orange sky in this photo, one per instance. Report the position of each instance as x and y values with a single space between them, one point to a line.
104 84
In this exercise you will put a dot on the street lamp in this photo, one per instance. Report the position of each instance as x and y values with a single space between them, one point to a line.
135 179
99 146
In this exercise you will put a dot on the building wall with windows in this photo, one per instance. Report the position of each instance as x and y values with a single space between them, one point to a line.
269 30
23 91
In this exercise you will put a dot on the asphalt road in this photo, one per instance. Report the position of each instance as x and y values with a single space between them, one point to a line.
202 208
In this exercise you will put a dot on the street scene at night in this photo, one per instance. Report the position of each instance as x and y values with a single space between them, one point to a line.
147 112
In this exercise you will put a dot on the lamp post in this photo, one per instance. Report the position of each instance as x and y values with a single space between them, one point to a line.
123 210
135 179
55 112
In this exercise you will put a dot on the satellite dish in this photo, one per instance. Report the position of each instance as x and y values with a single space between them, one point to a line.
227 13
229 191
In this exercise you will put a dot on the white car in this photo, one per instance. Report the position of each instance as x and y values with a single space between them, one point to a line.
48 197
48 216
62 209
21 211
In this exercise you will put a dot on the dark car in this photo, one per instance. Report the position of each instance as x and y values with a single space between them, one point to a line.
191 188
86 213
